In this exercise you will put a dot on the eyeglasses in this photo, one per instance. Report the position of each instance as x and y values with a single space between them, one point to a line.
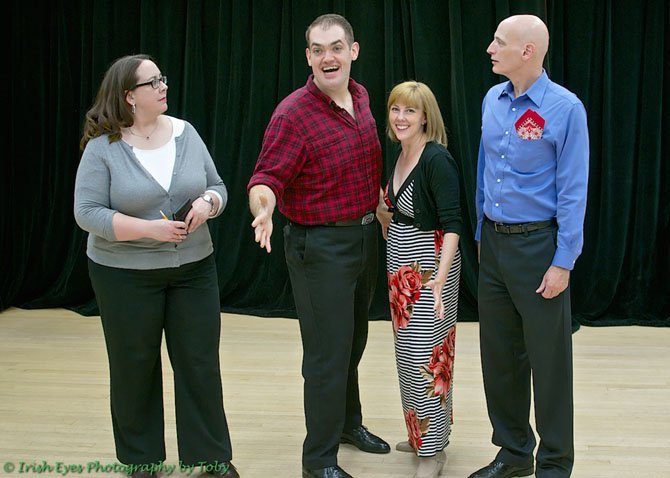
155 83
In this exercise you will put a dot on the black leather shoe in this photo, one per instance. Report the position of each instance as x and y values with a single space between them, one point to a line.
225 470
330 472
362 439
498 469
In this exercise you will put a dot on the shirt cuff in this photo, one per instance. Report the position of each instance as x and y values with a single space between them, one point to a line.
215 213
565 259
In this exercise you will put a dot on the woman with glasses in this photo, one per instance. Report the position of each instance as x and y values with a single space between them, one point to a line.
145 187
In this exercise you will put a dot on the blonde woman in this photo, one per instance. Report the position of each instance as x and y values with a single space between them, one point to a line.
423 266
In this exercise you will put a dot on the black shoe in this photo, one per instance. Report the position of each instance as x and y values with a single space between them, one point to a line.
362 439
330 472
225 470
498 469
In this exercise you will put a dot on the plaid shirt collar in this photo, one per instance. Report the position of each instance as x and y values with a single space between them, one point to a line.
321 96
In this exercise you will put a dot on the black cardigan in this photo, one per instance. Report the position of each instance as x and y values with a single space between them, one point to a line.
436 193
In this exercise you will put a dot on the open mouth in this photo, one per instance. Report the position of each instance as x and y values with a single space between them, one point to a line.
330 69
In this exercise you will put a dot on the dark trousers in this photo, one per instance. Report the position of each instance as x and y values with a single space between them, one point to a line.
523 335
333 275
136 307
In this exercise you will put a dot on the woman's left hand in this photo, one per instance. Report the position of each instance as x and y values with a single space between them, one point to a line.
436 287
198 214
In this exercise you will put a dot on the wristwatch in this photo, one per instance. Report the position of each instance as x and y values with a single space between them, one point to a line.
207 198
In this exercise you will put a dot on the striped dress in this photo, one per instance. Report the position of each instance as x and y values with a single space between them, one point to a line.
424 344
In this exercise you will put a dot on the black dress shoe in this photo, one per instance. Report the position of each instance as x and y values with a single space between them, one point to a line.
330 472
498 469
225 470
362 439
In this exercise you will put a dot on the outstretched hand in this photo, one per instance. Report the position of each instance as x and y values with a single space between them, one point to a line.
262 223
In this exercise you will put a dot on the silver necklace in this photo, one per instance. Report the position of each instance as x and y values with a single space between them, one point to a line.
147 137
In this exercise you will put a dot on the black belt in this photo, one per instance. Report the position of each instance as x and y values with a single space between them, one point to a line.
522 228
399 217
361 221
368 218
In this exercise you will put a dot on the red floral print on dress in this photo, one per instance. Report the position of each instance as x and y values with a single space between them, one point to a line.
415 428
438 236
387 201
404 290
401 308
439 370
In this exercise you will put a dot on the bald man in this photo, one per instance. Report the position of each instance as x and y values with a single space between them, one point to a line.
531 198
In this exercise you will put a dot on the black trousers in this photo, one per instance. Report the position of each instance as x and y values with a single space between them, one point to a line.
333 274
136 307
523 335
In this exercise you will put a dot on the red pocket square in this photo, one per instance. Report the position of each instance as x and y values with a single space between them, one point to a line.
530 125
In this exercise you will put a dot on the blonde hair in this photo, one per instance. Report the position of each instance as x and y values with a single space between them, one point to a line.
418 95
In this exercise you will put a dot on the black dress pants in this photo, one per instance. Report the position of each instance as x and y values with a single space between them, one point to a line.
523 335
333 274
136 306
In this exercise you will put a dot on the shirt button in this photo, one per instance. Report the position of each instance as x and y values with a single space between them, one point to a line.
498 180
506 132
502 156
497 205
513 109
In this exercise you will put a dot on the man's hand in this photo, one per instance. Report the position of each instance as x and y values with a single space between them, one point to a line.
384 217
554 282
262 204
383 214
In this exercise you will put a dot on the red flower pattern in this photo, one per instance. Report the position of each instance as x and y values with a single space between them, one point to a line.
387 201
404 290
439 370
401 309
438 235
415 428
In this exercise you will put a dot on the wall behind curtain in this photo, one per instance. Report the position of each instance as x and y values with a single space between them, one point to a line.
230 62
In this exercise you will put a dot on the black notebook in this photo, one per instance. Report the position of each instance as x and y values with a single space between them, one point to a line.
183 210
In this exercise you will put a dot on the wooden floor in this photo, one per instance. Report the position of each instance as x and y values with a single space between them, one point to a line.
54 399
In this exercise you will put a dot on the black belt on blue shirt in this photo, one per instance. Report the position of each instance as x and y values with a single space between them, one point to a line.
521 228
366 219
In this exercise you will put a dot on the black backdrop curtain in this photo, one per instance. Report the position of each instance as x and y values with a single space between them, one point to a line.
230 62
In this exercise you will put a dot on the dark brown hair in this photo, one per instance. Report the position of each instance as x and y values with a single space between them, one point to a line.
110 111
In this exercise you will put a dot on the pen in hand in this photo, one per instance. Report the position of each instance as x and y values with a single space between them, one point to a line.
164 216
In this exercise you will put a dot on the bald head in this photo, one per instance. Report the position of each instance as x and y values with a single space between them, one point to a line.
529 29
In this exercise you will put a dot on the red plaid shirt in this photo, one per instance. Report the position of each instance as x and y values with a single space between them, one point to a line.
321 164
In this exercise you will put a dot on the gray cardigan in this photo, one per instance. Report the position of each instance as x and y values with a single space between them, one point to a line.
111 179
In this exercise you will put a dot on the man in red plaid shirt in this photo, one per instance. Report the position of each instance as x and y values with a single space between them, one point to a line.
320 163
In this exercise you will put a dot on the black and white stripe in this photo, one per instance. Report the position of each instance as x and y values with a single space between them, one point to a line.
414 344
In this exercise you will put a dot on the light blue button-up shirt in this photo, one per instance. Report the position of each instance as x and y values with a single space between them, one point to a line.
524 180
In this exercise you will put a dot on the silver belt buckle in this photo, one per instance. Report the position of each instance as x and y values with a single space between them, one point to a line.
368 218
495 226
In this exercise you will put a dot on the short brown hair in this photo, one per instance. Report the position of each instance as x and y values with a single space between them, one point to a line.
328 20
